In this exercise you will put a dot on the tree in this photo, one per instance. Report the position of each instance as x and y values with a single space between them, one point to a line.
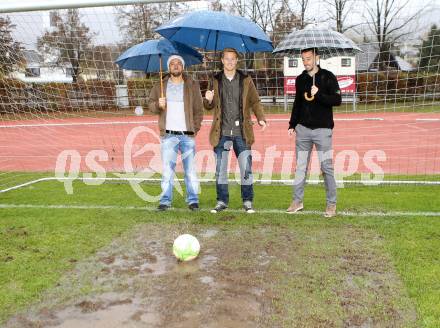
429 52
388 24
68 41
338 11
258 11
285 22
216 5
138 22
100 59
170 10
303 4
10 50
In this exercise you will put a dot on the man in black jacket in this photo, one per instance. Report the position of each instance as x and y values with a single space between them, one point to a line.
317 91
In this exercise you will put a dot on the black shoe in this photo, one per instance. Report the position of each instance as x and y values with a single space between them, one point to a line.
219 207
194 206
163 207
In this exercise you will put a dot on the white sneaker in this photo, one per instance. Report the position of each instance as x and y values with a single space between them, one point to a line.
219 207
247 205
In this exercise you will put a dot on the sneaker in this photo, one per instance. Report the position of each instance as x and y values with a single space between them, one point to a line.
194 206
163 207
219 207
330 211
247 205
294 207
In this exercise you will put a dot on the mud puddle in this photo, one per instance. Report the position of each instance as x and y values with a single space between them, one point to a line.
243 277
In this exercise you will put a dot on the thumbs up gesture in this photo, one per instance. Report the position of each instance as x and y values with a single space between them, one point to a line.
209 95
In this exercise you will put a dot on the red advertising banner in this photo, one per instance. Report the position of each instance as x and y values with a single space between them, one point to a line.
289 85
347 83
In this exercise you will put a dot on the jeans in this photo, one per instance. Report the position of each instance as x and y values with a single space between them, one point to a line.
322 139
170 146
243 153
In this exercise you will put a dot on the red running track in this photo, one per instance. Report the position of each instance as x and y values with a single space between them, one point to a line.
398 143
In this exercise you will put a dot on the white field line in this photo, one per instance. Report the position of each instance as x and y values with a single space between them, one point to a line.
154 121
204 121
263 211
256 181
75 124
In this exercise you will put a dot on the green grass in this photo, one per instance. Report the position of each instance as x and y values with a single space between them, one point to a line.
39 245
414 246
351 197
11 179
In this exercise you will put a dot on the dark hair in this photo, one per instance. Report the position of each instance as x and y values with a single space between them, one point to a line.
314 50
230 50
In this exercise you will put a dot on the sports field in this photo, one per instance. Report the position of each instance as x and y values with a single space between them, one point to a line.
102 258
82 242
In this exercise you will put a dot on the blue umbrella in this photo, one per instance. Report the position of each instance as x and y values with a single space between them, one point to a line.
147 56
216 30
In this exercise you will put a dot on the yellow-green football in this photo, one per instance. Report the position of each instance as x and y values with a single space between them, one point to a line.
186 247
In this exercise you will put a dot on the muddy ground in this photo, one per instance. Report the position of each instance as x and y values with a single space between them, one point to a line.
245 276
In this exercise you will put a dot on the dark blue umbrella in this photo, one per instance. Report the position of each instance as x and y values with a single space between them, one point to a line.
216 30
147 56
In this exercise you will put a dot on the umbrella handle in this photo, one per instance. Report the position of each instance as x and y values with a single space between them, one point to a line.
306 96
210 82
208 76
160 72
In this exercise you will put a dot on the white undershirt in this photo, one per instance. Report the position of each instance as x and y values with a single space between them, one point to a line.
175 119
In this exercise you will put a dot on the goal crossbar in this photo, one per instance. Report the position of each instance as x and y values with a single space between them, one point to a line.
32 5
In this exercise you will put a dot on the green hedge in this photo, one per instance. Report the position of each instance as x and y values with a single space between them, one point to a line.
377 86
94 95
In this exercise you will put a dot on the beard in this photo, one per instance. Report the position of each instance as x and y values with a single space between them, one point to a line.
176 74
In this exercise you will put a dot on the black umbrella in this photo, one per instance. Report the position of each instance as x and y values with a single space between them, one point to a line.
329 44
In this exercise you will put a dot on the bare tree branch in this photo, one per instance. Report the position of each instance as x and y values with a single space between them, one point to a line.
387 20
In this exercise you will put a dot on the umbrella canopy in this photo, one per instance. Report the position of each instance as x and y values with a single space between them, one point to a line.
145 56
330 43
216 30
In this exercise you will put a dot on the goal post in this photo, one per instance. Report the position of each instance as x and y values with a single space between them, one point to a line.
68 111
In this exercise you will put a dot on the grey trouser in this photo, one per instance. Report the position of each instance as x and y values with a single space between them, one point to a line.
322 139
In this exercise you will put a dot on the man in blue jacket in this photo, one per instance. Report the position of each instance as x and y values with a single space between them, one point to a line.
317 91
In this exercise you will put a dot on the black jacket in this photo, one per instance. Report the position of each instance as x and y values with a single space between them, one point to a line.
317 113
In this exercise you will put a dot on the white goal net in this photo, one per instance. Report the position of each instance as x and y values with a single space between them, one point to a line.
66 106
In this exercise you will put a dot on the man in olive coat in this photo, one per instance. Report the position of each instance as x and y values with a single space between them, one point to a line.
233 99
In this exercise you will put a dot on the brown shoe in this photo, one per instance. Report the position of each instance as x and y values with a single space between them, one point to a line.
295 207
330 211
